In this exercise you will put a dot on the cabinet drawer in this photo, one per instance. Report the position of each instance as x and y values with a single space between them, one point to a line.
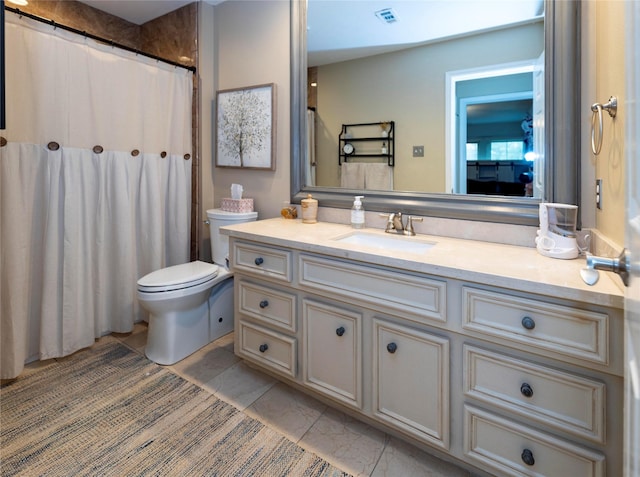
272 307
411 381
415 296
274 350
540 326
262 261
555 398
332 352
518 451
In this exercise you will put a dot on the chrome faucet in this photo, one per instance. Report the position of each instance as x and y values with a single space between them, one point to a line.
395 224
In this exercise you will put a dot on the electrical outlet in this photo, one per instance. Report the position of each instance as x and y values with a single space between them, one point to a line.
418 151
599 193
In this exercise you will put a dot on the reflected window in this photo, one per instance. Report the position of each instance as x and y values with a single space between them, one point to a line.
472 151
507 150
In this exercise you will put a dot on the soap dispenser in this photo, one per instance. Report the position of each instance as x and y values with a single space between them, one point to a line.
357 213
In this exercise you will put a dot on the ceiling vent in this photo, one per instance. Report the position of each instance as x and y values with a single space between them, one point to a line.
388 15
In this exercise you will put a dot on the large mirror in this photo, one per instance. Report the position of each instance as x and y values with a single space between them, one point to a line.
558 176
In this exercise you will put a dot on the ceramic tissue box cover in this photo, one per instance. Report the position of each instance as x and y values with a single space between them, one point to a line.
237 205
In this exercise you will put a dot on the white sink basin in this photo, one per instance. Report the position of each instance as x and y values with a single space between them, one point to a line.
397 243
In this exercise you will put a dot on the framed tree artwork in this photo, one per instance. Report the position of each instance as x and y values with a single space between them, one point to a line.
246 127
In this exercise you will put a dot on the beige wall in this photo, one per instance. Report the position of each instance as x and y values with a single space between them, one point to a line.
253 39
248 44
408 87
610 80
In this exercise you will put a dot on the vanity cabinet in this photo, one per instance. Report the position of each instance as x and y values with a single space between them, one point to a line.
508 448
571 334
505 381
265 321
411 381
551 397
332 351
566 410
416 297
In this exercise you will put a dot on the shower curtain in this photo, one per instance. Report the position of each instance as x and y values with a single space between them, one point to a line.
95 188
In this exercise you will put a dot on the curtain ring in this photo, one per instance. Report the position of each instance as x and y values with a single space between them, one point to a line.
187 157
98 149
53 146
163 154
596 145
3 141
135 152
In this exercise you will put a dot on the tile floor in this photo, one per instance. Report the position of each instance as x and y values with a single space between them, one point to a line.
347 443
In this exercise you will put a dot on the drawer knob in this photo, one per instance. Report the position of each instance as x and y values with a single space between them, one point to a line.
263 347
528 323
526 390
259 261
392 347
527 457
264 304
340 331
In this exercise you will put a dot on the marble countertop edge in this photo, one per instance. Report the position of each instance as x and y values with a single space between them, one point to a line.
492 264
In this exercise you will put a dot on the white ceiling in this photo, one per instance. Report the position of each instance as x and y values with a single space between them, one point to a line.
345 29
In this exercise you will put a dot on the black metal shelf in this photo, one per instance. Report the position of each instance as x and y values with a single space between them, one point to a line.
388 140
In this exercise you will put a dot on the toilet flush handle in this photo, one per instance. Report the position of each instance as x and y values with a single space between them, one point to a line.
206 221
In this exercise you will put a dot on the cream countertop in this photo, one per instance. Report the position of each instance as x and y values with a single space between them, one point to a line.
507 266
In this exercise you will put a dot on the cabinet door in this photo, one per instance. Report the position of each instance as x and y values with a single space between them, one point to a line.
411 381
332 352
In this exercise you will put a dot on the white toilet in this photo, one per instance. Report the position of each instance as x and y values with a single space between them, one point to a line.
191 304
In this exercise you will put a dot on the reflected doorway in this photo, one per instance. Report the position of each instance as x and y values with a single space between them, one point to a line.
490 159
496 145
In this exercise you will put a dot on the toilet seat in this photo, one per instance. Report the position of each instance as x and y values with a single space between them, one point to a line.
178 277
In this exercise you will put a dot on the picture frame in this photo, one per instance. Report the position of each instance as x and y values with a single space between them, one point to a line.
246 127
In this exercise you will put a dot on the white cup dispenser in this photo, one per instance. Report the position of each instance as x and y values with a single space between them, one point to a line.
557 235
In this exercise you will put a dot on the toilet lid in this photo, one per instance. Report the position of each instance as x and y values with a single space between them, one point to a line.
178 276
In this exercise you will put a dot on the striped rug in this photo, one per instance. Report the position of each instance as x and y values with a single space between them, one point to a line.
108 411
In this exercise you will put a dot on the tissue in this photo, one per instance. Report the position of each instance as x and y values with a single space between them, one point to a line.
236 203
236 191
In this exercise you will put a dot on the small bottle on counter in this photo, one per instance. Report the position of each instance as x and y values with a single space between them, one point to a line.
309 208
357 213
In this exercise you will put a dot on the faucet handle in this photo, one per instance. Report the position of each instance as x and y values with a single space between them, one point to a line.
408 230
397 222
389 227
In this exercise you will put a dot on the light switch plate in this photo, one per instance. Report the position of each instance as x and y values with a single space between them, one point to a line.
418 151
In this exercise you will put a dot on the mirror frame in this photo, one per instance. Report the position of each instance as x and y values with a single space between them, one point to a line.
562 134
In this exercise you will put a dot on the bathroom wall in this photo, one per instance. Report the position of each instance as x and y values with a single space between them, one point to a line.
251 47
85 18
610 80
384 87
172 36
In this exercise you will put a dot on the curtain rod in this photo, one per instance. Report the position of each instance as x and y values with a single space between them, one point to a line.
95 37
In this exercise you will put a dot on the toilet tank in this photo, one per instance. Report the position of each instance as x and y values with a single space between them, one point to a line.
220 243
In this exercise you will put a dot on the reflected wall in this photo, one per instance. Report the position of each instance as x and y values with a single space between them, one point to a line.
408 87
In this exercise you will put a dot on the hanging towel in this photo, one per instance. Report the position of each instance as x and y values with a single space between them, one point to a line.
378 177
352 175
